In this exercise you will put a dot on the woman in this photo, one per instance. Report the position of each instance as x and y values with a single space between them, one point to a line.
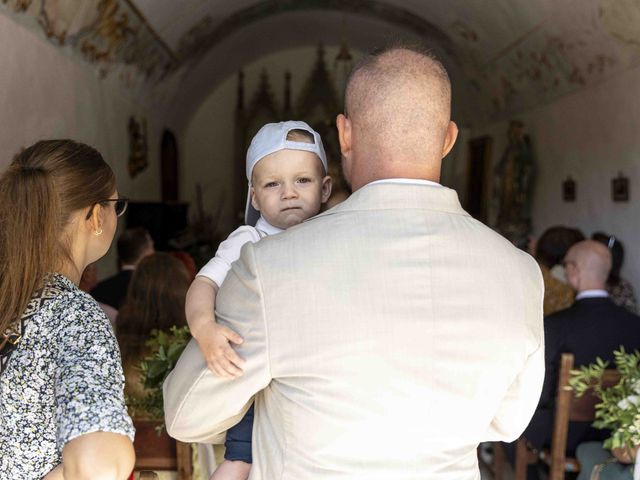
62 411
549 251
620 290
155 300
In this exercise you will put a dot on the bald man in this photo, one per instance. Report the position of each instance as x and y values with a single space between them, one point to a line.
592 327
388 336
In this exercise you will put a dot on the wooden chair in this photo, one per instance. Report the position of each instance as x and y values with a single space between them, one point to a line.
160 452
568 408
497 465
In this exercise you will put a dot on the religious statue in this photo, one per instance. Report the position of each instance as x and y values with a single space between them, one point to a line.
513 186
137 146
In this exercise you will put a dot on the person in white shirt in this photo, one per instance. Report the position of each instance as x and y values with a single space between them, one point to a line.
288 183
386 337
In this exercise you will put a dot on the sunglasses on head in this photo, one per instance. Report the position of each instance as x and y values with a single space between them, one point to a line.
119 205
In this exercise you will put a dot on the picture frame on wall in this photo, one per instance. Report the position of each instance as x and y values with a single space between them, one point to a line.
620 188
569 190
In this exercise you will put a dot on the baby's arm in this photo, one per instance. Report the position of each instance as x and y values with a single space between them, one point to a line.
213 339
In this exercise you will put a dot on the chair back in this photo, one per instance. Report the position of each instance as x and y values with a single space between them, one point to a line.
159 451
569 408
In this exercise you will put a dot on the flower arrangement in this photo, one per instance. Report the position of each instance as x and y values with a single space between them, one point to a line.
619 407
164 350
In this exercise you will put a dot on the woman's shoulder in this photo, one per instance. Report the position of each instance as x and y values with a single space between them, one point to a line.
65 305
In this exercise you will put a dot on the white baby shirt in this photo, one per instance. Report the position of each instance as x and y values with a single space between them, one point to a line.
229 251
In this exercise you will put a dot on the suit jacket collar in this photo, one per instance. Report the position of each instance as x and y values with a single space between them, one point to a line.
388 196
593 301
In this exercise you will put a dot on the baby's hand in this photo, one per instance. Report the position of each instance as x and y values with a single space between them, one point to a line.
215 342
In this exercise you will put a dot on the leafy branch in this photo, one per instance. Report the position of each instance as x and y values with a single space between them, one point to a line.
619 407
165 349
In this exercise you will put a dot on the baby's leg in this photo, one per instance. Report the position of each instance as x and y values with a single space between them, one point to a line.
237 456
232 470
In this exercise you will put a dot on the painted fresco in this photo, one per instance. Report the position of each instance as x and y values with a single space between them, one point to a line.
110 34
514 58
582 42
517 53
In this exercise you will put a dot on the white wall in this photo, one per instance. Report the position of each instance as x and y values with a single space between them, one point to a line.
591 135
46 94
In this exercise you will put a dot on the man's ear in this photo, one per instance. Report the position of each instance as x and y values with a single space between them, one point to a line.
327 184
254 200
345 138
450 138
344 134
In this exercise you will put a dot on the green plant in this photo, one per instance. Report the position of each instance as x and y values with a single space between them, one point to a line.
619 407
164 349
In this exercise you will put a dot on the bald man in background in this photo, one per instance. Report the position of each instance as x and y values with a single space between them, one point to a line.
592 327
388 336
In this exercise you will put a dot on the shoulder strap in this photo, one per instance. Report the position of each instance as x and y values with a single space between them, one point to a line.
12 336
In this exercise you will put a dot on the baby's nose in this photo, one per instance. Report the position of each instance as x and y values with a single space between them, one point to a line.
289 191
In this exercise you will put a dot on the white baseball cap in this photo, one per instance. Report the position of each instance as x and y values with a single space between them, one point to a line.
270 139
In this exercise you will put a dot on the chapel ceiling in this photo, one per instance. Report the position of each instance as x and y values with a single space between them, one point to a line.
509 55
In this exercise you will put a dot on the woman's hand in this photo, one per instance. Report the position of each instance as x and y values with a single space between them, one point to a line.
625 454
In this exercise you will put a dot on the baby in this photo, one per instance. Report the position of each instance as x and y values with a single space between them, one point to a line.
288 183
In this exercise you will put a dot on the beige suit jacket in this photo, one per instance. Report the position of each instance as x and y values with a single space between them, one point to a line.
384 339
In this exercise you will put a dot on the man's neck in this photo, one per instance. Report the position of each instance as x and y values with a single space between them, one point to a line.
362 180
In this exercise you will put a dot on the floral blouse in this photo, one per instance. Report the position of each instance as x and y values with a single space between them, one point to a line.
622 295
64 379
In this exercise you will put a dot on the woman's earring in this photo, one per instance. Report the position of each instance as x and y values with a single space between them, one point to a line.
98 232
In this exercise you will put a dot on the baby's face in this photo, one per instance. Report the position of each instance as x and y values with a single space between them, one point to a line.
288 187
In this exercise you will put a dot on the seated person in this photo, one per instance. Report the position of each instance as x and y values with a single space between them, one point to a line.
549 251
88 282
592 327
598 462
155 300
133 245
620 290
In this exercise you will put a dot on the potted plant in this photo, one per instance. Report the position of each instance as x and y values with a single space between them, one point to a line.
619 407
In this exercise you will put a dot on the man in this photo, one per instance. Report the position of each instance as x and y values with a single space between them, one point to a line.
592 327
388 336
133 245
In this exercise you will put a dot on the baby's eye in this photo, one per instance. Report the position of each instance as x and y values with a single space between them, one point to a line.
271 185
304 180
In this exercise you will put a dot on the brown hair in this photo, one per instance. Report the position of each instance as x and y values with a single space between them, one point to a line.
132 244
155 300
39 191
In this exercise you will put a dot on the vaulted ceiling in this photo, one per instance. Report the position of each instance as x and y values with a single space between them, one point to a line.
504 56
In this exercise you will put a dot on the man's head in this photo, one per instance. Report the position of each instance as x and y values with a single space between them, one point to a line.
587 265
397 117
554 243
287 173
133 245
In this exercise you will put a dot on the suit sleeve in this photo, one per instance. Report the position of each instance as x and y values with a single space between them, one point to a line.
200 406
554 348
521 399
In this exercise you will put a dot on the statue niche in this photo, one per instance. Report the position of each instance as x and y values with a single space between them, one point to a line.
513 186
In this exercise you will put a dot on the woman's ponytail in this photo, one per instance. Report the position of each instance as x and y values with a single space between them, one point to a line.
39 190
